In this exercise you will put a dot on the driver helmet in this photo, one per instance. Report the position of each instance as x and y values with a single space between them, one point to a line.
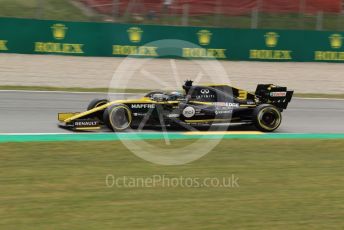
176 95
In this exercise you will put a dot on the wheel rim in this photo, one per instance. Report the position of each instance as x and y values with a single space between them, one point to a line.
120 118
269 118
100 104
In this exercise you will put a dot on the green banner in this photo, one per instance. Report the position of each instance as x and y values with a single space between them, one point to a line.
107 39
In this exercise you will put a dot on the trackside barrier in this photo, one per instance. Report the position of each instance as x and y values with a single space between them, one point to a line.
29 36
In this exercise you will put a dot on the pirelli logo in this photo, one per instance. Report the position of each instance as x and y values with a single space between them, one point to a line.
278 94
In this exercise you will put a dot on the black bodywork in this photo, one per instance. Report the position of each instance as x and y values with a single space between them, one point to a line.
196 106
212 104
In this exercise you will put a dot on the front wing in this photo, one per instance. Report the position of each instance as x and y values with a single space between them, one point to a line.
78 124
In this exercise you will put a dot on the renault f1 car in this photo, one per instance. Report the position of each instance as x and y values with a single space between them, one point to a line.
198 105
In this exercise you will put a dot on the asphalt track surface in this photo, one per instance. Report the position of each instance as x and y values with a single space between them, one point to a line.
36 112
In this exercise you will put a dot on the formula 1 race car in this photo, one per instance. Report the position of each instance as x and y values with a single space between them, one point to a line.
197 106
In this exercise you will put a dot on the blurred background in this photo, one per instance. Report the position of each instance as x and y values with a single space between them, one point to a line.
262 14
63 184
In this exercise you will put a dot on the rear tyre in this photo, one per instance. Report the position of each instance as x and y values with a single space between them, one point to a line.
267 118
117 117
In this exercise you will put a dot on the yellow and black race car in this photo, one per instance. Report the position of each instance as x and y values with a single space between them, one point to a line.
197 106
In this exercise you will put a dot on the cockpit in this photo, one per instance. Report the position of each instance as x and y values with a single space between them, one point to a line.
165 96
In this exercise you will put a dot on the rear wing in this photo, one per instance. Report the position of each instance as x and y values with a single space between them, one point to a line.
278 96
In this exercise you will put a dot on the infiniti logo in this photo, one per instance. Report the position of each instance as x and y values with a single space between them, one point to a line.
204 91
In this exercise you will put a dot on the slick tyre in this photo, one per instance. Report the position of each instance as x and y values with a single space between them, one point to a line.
117 117
267 118
96 103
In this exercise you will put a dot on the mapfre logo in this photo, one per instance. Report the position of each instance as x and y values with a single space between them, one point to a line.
204 37
271 39
59 31
135 34
142 106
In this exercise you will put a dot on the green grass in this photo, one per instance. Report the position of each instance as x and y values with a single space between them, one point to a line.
50 9
289 184
105 90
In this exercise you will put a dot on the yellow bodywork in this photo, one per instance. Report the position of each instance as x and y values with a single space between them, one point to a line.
68 117
64 116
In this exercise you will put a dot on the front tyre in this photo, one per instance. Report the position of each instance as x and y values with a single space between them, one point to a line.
118 117
267 118
96 103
